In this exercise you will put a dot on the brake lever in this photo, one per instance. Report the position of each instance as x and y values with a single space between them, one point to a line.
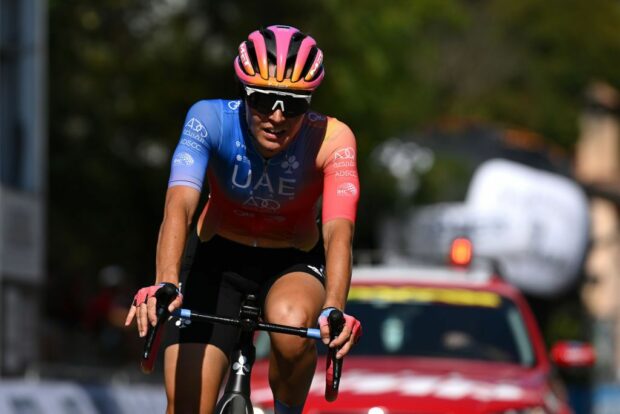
164 295
336 321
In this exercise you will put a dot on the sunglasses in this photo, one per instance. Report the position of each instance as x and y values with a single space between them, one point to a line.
267 101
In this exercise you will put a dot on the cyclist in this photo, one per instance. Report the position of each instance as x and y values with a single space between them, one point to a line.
270 164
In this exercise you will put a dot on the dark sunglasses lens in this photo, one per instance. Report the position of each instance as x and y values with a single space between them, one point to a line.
260 102
295 106
267 103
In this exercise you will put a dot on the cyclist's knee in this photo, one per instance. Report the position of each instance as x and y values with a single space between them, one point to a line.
292 314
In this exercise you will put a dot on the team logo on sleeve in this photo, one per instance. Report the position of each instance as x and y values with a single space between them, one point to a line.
347 153
183 158
346 190
195 130
344 157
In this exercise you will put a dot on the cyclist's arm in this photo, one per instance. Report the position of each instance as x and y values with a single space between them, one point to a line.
340 197
181 203
189 163
338 236
180 206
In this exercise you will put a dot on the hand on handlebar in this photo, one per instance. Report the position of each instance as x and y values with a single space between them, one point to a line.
351 332
144 307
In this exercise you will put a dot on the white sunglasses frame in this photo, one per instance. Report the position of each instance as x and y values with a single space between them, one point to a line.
249 90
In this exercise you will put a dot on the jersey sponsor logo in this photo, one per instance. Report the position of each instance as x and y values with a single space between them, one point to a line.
346 173
314 117
344 164
276 219
290 164
234 105
263 203
191 144
285 186
183 158
346 190
193 135
194 129
235 179
243 213
347 153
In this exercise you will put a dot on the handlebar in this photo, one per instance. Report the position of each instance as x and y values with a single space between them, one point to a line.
188 314
168 294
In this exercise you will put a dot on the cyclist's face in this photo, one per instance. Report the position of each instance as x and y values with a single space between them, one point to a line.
273 131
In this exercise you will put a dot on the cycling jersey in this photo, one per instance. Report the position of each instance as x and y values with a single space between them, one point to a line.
276 198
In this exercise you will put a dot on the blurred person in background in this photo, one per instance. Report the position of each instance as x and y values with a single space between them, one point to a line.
270 161
104 314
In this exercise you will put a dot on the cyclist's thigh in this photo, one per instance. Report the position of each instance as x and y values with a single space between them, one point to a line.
193 373
294 299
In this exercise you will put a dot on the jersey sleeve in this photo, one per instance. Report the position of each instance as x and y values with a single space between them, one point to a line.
341 187
201 132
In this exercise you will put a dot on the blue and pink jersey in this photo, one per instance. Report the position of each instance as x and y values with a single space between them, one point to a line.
266 201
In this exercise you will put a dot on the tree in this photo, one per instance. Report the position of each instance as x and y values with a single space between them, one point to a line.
123 73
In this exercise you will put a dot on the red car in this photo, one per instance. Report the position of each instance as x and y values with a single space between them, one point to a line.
440 340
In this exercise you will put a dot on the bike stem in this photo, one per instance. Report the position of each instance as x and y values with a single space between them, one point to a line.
244 354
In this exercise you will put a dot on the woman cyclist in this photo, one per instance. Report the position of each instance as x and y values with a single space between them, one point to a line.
271 165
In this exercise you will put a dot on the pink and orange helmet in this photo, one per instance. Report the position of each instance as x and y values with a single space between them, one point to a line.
280 57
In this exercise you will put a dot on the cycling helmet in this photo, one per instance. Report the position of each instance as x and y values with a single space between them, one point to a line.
298 62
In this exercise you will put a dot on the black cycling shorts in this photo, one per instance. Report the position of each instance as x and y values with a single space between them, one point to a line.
219 273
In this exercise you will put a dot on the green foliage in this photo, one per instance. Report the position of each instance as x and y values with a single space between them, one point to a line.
124 72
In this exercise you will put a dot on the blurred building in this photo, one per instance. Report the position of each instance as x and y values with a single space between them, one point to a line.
22 180
597 166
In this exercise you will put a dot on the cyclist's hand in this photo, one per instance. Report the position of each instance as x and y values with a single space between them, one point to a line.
143 308
351 332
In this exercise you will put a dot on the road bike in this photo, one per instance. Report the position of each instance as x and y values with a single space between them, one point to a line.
236 396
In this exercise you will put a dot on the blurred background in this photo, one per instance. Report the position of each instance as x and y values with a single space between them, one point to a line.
92 99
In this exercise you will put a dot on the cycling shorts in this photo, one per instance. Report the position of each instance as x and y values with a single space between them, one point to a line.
219 273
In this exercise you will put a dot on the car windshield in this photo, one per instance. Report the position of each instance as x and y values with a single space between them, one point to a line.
440 323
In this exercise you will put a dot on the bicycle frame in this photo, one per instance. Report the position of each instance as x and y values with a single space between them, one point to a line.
236 397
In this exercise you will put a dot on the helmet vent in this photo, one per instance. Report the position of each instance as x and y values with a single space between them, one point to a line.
293 48
252 55
309 62
270 44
